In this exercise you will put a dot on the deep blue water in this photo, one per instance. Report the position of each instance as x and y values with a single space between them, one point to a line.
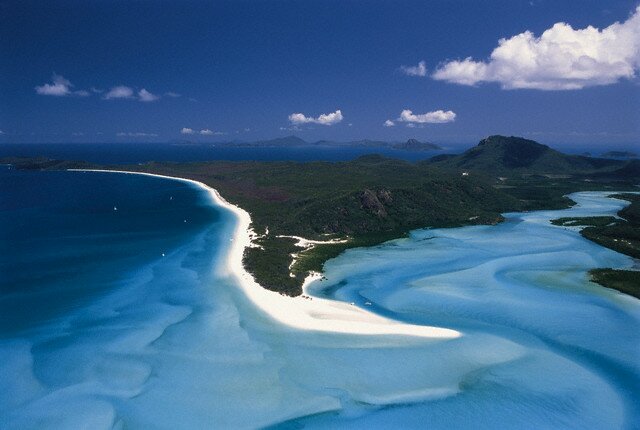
99 330
141 152
123 153
67 237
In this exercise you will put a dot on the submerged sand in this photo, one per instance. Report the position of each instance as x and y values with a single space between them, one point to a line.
317 314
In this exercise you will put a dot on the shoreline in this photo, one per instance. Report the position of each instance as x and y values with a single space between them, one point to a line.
315 314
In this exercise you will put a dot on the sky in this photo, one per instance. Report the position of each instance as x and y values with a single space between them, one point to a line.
560 72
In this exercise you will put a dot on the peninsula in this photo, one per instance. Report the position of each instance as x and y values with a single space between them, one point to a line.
306 213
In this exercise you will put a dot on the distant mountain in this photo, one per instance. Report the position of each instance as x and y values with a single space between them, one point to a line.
630 170
281 142
294 141
416 145
365 143
619 154
508 154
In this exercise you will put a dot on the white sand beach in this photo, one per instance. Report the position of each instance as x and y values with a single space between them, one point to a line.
316 314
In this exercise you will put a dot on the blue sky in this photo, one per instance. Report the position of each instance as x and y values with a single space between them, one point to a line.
102 71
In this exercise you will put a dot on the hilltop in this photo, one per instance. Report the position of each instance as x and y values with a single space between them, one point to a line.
502 154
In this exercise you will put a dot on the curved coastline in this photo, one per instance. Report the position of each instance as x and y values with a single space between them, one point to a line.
317 314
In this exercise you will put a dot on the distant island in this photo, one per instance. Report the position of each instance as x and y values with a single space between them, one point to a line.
306 213
295 142
619 154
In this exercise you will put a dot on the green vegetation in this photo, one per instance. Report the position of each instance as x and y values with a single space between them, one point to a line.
270 265
501 154
621 235
632 212
366 201
373 199
625 281
538 192
595 221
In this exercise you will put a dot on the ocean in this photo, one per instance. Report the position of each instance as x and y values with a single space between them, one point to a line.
140 152
121 153
115 312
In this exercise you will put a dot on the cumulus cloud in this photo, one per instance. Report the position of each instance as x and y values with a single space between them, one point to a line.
292 128
135 134
419 70
119 92
388 123
434 117
146 96
324 119
207 132
203 132
560 59
59 86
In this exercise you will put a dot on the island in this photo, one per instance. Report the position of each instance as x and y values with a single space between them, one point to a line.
303 214
296 142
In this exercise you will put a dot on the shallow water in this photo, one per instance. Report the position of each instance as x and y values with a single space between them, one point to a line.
126 338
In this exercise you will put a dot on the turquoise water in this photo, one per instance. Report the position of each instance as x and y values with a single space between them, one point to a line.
100 330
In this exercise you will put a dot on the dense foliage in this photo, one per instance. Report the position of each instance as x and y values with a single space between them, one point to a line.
374 199
621 235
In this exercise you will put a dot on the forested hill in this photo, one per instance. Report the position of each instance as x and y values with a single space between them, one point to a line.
501 154
373 198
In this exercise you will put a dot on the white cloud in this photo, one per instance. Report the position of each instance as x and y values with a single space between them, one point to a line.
146 96
419 70
435 117
324 119
560 59
1 132
135 134
59 87
119 92
207 132
203 132
389 123
299 118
